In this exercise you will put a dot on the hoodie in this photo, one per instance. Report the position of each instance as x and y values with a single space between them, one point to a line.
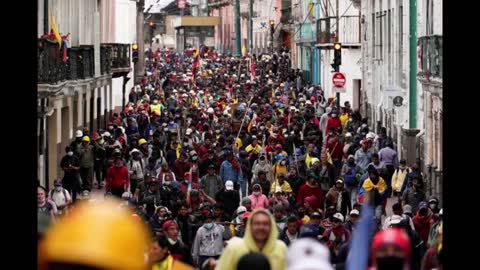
260 201
262 165
275 250
209 242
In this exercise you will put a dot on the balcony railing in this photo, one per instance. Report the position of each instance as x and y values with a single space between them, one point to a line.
105 60
119 56
431 56
287 16
349 32
51 67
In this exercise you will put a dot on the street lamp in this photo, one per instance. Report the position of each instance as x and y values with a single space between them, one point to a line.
272 30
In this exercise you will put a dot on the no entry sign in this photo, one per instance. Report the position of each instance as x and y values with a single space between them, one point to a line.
338 79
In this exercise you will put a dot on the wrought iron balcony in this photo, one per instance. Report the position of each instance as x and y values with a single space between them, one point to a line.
105 60
349 31
430 50
51 67
119 57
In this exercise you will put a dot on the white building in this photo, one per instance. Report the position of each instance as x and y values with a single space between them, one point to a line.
349 35
79 92
388 71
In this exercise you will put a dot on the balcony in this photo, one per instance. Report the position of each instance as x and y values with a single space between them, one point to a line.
118 55
430 50
349 31
219 3
105 60
286 16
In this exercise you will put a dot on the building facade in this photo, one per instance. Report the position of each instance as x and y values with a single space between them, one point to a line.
76 87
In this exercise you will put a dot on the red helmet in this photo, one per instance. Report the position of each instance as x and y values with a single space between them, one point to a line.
391 236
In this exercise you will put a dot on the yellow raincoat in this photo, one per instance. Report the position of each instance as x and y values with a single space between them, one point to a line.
275 250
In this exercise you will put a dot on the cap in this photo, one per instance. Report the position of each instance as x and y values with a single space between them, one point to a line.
106 134
338 216
278 189
316 214
354 212
229 185
351 156
407 209
189 131
348 135
241 209
142 141
339 181
168 224
422 205
433 200
313 254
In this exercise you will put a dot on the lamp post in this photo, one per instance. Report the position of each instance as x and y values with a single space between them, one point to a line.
272 30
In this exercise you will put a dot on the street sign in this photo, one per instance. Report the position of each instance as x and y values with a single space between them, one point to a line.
339 89
398 101
182 4
339 79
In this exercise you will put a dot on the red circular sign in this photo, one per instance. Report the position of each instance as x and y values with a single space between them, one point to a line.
338 79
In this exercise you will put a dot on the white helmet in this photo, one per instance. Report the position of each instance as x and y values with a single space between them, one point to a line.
370 135
210 110
78 134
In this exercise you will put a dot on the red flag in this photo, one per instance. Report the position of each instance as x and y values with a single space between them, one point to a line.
252 70
195 64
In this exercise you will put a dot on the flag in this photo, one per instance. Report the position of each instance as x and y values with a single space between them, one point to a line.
55 30
195 64
252 70
360 242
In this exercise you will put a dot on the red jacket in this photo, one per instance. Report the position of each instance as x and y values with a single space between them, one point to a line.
117 177
335 151
333 122
305 191
422 226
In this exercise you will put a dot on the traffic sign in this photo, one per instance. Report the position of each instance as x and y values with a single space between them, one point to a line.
339 79
398 101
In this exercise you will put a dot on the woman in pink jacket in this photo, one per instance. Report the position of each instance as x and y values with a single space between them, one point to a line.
259 200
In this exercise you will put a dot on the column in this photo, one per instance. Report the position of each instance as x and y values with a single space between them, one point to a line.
409 144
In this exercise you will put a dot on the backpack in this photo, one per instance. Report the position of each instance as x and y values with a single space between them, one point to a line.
50 194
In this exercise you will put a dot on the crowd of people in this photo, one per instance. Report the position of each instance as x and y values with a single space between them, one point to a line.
237 161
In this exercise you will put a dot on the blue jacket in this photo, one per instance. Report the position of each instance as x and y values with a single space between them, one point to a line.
409 178
227 172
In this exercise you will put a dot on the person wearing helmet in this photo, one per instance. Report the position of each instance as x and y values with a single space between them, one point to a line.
119 241
391 250
99 166
118 180
86 158
77 142
71 178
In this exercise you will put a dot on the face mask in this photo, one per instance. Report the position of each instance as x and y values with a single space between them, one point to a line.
58 189
160 219
167 183
334 115
118 165
256 193
262 128
390 263
433 206
194 158
283 163
172 242
70 153
208 226
165 129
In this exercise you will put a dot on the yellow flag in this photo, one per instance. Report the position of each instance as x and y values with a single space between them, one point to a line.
243 50
55 30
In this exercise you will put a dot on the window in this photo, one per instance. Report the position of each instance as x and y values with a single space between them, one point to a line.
379 39
373 35
429 19
389 33
400 46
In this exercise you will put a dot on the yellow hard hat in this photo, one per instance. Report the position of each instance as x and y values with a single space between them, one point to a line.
142 141
85 139
98 235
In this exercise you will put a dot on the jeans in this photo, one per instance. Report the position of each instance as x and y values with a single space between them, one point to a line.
352 191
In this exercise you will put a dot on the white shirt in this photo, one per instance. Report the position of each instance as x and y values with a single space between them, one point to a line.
60 199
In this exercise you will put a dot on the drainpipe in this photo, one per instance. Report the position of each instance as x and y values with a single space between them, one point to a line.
250 25
45 17
238 37
413 65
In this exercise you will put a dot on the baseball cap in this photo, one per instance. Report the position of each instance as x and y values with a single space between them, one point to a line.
339 181
189 131
407 209
354 212
278 189
338 216
422 205
316 214
229 185
241 209
348 135
313 254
